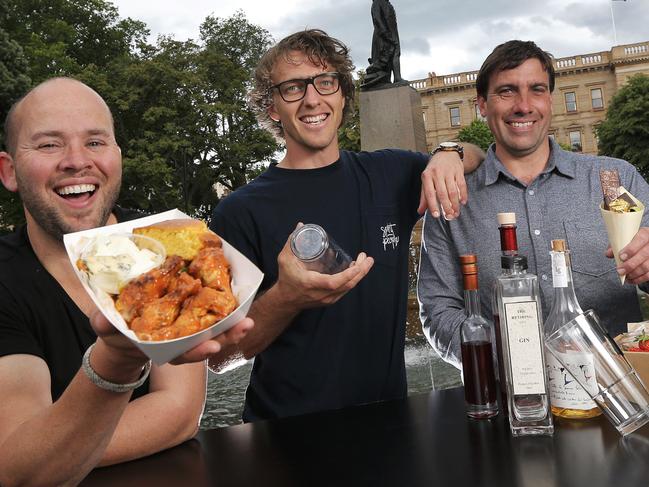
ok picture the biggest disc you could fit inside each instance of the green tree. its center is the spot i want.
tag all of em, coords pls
(565, 146)
(63, 37)
(180, 109)
(153, 103)
(13, 68)
(349, 134)
(58, 38)
(13, 83)
(234, 143)
(182, 117)
(624, 133)
(477, 133)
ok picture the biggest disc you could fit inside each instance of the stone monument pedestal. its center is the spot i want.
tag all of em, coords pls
(391, 118)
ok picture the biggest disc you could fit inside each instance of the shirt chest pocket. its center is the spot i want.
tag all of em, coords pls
(588, 243)
(383, 237)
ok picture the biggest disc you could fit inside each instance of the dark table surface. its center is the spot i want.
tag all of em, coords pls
(424, 440)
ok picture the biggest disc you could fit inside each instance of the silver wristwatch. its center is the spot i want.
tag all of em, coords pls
(450, 146)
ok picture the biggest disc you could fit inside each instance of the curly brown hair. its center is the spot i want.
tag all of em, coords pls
(321, 50)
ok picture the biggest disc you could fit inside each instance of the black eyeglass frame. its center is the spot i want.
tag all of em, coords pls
(307, 82)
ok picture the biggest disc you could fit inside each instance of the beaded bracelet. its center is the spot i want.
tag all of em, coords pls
(102, 383)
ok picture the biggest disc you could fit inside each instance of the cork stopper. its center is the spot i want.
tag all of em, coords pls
(559, 245)
(506, 218)
(468, 259)
(469, 264)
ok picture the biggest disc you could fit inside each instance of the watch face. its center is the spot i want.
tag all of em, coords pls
(448, 145)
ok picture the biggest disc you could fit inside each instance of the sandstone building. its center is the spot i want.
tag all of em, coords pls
(585, 84)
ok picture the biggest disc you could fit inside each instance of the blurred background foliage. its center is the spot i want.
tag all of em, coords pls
(181, 115)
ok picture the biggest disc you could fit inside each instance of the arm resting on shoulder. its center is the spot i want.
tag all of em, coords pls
(443, 184)
(473, 157)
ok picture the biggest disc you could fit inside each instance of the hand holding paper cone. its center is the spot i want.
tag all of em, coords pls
(622, 227)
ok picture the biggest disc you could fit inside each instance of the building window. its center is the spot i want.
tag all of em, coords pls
(575, 140)
(478, 115)
(596, 98)
(571, 101)
(454, 112)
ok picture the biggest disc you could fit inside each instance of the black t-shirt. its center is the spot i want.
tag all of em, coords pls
(37, 317)
(352, 351)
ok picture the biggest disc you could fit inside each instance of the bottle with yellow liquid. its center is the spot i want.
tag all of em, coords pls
(567, 397)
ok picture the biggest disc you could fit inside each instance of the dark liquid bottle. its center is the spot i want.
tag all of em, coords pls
(477, 352)
(479, 379)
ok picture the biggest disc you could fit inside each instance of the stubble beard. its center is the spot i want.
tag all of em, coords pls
(52, 221)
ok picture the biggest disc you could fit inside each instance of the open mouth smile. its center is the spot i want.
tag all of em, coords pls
(76, 191)
(521, 125)
(314, 120)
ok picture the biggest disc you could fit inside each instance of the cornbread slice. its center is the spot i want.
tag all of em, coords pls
(182, 237)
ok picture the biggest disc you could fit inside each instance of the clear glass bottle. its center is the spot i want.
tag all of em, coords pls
(568, 398)
(508, 246)
(480, 389)
(318, 251)
(521, 328)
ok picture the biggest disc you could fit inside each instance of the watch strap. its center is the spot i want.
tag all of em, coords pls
(450, 148)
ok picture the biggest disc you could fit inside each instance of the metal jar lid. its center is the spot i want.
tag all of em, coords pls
(309, 242)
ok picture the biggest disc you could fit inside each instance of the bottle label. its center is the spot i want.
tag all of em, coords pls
(525, 345)
(565, 391)
(559, 269)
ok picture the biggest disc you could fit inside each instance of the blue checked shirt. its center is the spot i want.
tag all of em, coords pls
(562, 202)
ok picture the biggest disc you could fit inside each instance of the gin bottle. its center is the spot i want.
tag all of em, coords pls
(477, 351)
(508, 246)
(568, 398)
(521, 329)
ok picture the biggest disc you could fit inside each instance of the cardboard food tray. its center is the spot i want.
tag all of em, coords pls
(638, 360)
(246, 279)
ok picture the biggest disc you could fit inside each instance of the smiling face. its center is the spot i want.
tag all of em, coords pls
(518, 109)
(310, 124)
(67, 166)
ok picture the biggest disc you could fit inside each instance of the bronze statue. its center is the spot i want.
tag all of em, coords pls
(385, 48)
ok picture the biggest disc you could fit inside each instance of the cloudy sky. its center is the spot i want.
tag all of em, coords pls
(442, 36)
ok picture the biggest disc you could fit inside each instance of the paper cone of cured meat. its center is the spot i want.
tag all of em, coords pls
(622, 227)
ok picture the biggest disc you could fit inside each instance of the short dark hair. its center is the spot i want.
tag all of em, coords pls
(510, 55)
(321, 50)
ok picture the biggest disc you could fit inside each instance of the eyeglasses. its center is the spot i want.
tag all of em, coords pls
(295, 89)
